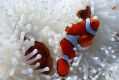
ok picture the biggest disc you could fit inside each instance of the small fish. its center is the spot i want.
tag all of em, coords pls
(81, 33)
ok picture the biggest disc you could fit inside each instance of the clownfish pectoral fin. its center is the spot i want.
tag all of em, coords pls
(86, 40)
(62, 67)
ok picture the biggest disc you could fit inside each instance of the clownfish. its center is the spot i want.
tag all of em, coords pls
(81, 33)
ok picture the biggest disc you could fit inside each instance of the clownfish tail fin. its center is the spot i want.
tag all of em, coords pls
(63, 66)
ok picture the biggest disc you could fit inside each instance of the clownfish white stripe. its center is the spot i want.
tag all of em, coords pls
(36, 65)
(72, 39)
(31, 54)
(65, 57)
(42, 70)
(34, 59)
(88, 27)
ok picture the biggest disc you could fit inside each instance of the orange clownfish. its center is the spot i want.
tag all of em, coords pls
(81, 33)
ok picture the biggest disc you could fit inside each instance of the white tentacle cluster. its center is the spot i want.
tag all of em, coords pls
(19, 18)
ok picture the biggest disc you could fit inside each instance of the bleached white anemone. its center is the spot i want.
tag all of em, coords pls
(45, 21)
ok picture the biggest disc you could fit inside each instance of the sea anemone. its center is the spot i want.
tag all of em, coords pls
(45, 21)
